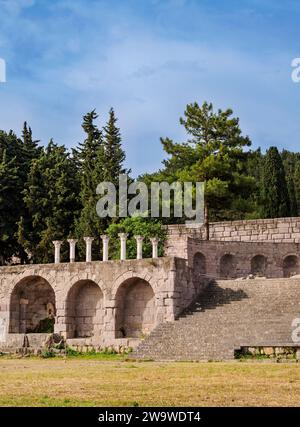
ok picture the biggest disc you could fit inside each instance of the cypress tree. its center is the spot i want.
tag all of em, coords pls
(275, 196)
(99, 158)
(86, 155)
(30, 147)
(113, 155)
(12, 185)
(90, 168)
(297, 186)
(8, 182)
(51, 198)
(29, 152)
(289, 162)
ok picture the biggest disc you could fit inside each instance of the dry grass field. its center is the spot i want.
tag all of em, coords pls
(96, 381)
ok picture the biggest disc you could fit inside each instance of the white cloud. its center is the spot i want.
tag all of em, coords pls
(98, 57)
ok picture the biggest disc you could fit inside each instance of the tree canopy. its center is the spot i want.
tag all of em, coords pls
(49, 192)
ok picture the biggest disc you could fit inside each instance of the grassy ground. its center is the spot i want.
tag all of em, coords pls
(110, 381)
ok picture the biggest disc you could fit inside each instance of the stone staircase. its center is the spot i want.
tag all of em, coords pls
(230, 314)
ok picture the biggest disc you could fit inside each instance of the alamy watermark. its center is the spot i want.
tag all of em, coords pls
(296, 70)
(160, 200)
(2, 71)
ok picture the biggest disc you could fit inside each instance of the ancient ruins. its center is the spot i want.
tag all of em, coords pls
(205, 299)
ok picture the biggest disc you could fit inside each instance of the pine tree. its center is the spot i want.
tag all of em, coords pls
(275, 196)
(214, 154)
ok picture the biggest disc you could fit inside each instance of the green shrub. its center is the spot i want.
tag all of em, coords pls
(134, 226)
(47, 353)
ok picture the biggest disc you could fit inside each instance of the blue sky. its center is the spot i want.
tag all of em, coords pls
(148, 59)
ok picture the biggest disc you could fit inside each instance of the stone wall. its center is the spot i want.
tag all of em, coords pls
(96, 301)
(217, 259)
(112, 303)
(278, 230)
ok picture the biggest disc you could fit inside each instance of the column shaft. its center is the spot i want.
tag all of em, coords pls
(72, 243)
(105, 240)
(123, 237)
(154, 242)
(139, 247)
(57, 244)
(88, 253)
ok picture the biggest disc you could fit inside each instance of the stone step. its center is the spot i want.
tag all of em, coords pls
(228, 315)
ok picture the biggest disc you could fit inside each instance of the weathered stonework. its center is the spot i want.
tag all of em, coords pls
(180, 306)
(98, 301)
(229, 260)
(278, 230)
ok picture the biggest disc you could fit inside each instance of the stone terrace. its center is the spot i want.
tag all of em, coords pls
(227, 316)
(278, 230)
(106, 301)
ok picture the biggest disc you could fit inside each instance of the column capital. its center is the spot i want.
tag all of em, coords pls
(72, 241)
(105, 237)
(154, 240)
(88, 239)
(123, 236)
(139, 238)
(57, 243)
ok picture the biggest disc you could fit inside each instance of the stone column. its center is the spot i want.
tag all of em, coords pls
(88, 248)
(154, 241)
(139, 246)
(105, 240)
(123, 237)
(57, 244)
(72, 243)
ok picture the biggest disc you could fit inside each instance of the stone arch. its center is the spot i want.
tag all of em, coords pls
(259, 265)
(84, 310)
(129, 275)
(135, 308)
(32, 306)
(199, 264)
(228, 266)
(290, 265)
